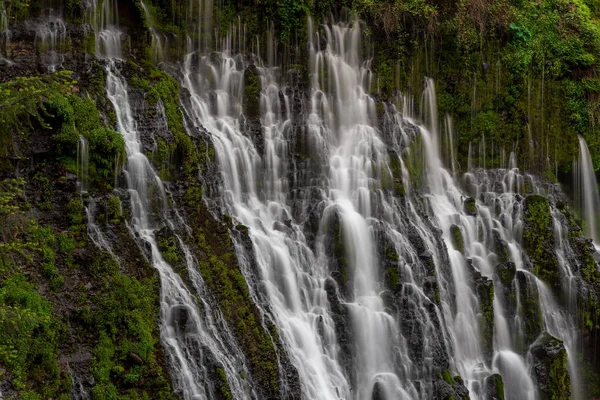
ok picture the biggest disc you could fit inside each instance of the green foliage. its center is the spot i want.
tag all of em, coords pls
(29, 339)
(23, 105)
(77, 116)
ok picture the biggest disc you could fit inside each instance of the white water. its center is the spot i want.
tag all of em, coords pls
(196, 341)
(83, 165)
(261, 189)
(587, 198)
(183, 332)
(5, 34)
(383, 347)
(50, 39)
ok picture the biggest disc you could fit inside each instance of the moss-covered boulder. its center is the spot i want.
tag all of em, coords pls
(538, 239)
(550, 368)
(456, 238)
(506, 272)
(494, 387)
(470, 206)
(484, 288)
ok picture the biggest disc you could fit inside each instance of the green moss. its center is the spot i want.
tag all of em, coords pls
(224, 386)
(252, 94)
(169, 250)
(531, 313)
(113, 209)
(551, 368)
(495, 385)
(76, 116)
(447, 377)
(507, 273)
(456, 238)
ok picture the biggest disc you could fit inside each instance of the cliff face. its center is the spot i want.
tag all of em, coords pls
(221, 201)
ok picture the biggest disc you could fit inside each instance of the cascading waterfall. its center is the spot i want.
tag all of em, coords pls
(196, 341)
(83, 165)
(50, 38)
(183, 332)
(5, 34)
(587, 198)
(373, 354)
(105, 19)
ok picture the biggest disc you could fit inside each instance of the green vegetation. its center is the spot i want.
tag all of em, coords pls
(75, 116)
(117, 319)
(23, 106)
(179, 152)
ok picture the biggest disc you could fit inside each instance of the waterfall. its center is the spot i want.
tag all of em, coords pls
(366, 297)
(4, 34)
(195, 339)
(82, 165)
(158, 40)
(587, 198)
(50, 39)
(106, 28)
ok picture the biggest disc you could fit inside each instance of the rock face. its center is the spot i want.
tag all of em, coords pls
(550, 366)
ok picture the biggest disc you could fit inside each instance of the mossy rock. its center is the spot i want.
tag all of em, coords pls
(506, 272)
(550, 368)
(456, 238)
(494, 387)
(470, 206)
